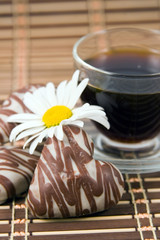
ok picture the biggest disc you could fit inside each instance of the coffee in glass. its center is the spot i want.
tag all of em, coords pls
(123, 67)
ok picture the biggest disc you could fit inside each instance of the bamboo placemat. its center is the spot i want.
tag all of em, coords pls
(36, 41)
(137, 216)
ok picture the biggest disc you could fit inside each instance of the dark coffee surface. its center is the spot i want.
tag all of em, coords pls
(127, 61)
(132, 117)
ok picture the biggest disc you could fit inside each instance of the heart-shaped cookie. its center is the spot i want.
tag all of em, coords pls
(16, 171)
(69, 182)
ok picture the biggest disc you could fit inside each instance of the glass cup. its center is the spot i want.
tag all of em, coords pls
(123, 67)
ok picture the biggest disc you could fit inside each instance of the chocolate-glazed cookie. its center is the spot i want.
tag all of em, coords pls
(14, 104)
(16, 171)
(68, 182)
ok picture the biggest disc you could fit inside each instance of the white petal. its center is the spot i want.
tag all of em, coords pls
(59, 132)
(87, 107)
(81, 108)
(33, 104)
(71, 88)
(24, 126)
(72, 85)
(78, 123)
(51, 132)
(72, 122)
(101, 120)
(61, 92)
(22, 117)
(98, 116)
(41, 96)
(88, 110)
(30, 139)
(36, 141)
(75, 78)
(77, 93)
(87, 114)
(92, 112)
(29, 132)
(51, 96)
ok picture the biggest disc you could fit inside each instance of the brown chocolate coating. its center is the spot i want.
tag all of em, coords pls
(69, 182)
(14, 104)
(16, 171)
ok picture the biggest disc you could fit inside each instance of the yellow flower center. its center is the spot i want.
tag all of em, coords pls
(54, 115)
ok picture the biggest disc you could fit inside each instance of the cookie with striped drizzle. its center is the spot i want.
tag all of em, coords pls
(14, 104)
(68, 182)
(16, 171)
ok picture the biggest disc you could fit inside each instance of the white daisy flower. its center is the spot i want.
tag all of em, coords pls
(52, 108)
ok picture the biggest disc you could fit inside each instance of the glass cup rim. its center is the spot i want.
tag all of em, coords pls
(90, 67)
